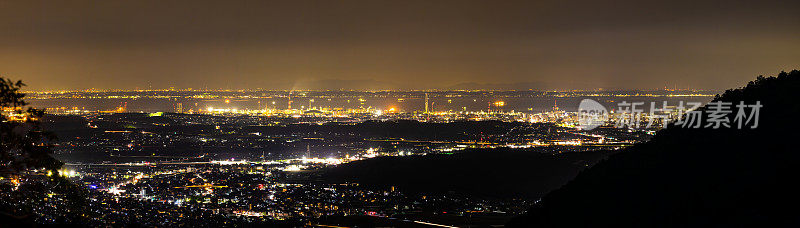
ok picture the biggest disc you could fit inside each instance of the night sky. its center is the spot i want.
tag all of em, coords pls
(396, 44)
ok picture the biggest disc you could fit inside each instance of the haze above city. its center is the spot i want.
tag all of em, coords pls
(396, 45)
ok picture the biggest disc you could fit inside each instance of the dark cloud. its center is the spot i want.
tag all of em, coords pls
(417, 44)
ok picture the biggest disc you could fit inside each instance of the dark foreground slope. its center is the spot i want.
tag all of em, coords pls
(493, 173)
(694, 177)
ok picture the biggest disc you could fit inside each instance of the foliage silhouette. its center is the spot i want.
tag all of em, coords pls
(25, 155)
(23, 143)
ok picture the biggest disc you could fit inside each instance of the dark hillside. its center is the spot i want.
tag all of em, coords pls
(694, 177)
(495, 173)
